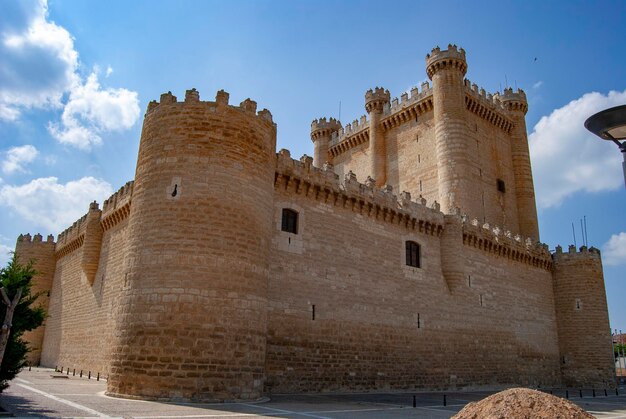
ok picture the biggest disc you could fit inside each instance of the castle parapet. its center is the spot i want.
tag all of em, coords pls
(514, 101)
(117, 207)
(453, 57)
(501, 242)
(366, 198)
(192, 98)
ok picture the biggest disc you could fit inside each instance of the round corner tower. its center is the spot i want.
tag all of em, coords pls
(582, 318)
(193, 317)
(42, 254)
(375, 101)
(447, 69)
(516, 105)
(321, 132)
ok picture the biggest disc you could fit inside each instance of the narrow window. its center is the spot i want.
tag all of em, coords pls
(290, 221)
(412, 254)
(419, 158)
(420, 186)
(313, 312)
(501, 186)
(418, 321)
(469, 281)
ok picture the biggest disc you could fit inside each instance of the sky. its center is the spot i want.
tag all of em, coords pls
(76, 77)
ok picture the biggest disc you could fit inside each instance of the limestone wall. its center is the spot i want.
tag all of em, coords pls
(81, 322)
(346, 313)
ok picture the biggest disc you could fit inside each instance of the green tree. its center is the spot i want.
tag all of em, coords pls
(25, 317)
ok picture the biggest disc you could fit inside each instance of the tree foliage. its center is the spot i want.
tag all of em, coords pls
(27, 316)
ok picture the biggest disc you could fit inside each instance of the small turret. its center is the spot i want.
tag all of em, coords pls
(42, 254)
(516, 105)
(375, 101)
(321, 132)
(447, 70)
(514, 101)
(453, 57)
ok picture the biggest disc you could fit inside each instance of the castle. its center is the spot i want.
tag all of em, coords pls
(405, 254)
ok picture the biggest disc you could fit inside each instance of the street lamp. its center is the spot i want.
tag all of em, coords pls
(610, 124)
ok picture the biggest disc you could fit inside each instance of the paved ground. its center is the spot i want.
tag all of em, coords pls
(37, 393)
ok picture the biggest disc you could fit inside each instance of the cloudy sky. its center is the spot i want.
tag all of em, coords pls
(76, 76)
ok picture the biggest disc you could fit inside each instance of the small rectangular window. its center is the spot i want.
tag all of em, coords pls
(501, 186)
(290, 221)
(412, 254)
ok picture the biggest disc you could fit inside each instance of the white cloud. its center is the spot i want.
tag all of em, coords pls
(49, 204)
(38, 59)
(17, 157)
(39, 69)
(538, 85)
(109, 71)
(566, 158)
(91, 110)
(614, 251)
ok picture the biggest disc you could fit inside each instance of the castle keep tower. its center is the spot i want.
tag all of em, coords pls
(193, 316)
(517, 106)
(446, 69)
(375, 100)
(321, 131)
(42, 253)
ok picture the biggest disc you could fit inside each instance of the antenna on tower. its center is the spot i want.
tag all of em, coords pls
(339, 119)
(574, 234)
(506, 82)
(586, 236)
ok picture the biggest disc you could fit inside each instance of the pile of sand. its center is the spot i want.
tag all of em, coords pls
(520, 403)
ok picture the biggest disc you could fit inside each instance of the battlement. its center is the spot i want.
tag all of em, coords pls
(514, 101)
(453, 57)
(192, 98)
(324, 185)
(37, 238)
(494, 239)
(376, 99)
(487, 106)
(582, 253)
(322, 127)
(407, 100)
(119, 198)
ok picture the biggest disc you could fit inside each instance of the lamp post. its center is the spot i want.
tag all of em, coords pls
(610, 124)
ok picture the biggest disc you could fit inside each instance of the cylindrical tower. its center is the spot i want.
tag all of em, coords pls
(42, 253)
(582, 319)
(375, 101)
(193, 314)
(321, 131)
(446, 69)
(517, 106)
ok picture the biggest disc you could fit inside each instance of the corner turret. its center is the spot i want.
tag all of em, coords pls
(375, 101)
(321, 132)
(42, 254)
(447, 70)
(452, 58)
(582, 318)
(516, 105)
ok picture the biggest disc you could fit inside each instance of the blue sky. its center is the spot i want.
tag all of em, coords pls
(76, 76)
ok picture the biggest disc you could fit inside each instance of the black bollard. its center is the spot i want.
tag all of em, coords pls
(28, 367)
(581, 393)
(61, 369)
(593, 392)
(89, 375)
(98, 378)
(56, 368)
(567, 394)
(414, 402)
(68, 370)
(445, 402)
(81, 373)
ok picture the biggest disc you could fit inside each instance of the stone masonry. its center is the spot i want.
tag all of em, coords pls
(404, 255)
